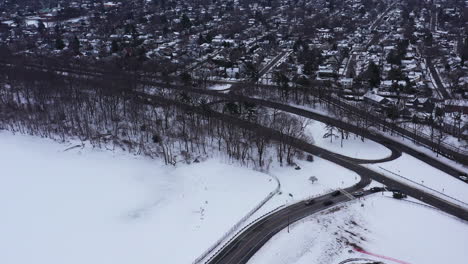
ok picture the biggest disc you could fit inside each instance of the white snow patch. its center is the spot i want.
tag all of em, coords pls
(352, 147)
(220, 87)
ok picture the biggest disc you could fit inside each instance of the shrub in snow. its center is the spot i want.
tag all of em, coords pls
(313, 179)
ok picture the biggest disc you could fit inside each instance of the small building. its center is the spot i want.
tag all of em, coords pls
(456, 106)
(346, 82)
(374, 99)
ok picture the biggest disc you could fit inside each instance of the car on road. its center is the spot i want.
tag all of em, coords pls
(336, 193)
(463, 177)
(399, 195)
(327, 203)
(358, 194)
(376, 189)
(309, 202)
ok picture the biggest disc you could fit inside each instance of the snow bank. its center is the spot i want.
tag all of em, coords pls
(220, 87)
(92, 206)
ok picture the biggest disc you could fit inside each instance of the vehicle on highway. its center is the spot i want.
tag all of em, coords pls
(358, 194)
(327, 203)
(399, 195)
(377, 189)
(309, 202)
(463, 177)
(336, 193)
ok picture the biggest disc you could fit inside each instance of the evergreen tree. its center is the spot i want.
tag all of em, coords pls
(41, 27)
(75, 45)
(373, 73)
(185, 22)
(114, 46)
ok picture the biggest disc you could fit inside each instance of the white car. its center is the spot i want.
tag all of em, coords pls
(463, 178)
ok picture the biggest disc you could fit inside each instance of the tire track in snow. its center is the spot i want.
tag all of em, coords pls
(380, 256)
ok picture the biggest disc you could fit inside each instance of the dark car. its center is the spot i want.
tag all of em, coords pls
(463, 176)
(358, 194)
(336, 193)
(327, 203)
(376, 189)
(399, 195)
(309, 202)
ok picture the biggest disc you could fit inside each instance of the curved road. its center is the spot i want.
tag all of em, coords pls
(243, 247)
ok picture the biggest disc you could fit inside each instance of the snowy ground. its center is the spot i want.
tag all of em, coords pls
(401, 230)
(425, 175)
(352, 147)
(91, 206)
(220, 87)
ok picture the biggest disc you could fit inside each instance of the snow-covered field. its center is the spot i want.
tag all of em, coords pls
(66, 204)
(400, 230)
(92, 206)
(425, 175)
(352, 147)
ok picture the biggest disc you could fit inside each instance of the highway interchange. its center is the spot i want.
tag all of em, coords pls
(240, 249)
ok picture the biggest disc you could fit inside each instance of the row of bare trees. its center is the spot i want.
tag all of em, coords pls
(112, 112)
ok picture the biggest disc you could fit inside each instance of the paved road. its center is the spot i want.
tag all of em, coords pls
(439, 85)
(244, 246)
(271, 64)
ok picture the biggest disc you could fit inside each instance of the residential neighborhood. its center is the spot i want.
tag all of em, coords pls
(233, 131)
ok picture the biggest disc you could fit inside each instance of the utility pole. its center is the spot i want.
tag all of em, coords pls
(288, 222)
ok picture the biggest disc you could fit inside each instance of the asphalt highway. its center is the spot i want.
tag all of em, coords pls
(241, 249)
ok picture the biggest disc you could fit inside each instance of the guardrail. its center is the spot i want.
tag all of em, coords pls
(426, 187)
(238, 224)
